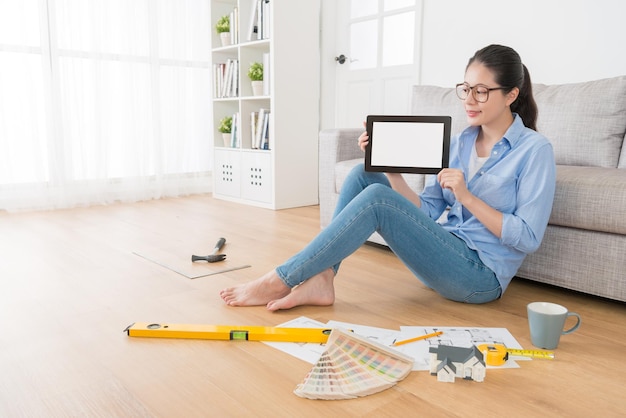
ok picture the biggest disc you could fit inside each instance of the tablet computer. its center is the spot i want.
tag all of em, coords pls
(408, 144)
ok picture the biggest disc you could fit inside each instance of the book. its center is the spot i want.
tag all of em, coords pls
(265, 19)
(253, 123)
(259, 20)
(227, 73)
(258, 138)
(265, 134)
(235, 139)
(233, 131)
(234, 26)
(234, 80)
(217, 80)
(226, 79)
(253, 23)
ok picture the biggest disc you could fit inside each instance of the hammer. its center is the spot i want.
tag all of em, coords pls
(214, 256)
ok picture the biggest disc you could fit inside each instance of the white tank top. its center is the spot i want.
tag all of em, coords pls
(476, 163)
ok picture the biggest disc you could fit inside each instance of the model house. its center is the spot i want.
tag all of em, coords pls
(448, 363)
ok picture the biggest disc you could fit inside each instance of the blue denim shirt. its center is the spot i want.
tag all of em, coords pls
(518, 179)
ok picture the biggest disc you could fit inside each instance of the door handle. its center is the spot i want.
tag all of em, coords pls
(341, 59)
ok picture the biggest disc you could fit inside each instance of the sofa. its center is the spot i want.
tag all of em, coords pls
(584, 247)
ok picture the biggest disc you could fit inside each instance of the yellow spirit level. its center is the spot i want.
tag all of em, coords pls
(228, 332)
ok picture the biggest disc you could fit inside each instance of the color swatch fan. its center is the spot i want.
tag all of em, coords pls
(353, 366)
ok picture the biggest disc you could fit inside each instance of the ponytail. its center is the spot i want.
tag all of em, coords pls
(525, 104)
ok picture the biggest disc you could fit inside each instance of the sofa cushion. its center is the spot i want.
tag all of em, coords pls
(584, 121)
(590, 198)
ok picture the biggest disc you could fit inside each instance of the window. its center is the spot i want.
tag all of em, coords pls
(382, 34)
(103, 100)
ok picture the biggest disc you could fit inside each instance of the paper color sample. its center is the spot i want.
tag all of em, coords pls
(353, 366)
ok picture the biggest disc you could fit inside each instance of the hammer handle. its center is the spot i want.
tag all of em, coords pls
(219, 245)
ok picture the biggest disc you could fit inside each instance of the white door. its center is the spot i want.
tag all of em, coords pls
(376, 62)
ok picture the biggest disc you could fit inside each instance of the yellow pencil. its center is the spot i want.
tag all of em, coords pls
(421, 337)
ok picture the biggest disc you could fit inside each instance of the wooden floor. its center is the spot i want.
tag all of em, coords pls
(71, 283)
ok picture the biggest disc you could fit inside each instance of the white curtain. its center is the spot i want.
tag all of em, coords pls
(103, 101)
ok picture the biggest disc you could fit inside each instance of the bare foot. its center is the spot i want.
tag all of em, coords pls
(318, 290)
(257, 292)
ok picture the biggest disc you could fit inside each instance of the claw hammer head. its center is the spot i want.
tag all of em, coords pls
(214, 256)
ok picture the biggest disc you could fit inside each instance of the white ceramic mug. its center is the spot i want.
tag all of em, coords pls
(546, 321)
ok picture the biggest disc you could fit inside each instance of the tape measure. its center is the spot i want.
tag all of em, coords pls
(494, 354)
(531, 353)
(498, 354)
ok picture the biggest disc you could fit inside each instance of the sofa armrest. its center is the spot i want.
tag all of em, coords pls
(336, 145)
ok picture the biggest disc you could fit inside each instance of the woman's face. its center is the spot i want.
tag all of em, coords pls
(496, 108)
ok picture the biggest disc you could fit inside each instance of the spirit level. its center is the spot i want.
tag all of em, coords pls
(228, 332)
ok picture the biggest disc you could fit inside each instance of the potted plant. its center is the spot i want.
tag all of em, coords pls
(226, 127)
(223, 29)
(255, 73)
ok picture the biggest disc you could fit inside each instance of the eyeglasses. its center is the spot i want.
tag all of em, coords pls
(479, 92)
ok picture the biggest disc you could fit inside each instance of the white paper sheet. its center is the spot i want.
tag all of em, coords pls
(455, 336)
(309, 352)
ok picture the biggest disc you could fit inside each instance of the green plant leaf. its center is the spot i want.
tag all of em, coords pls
(255, 72)
(223, 24)
(226, 125)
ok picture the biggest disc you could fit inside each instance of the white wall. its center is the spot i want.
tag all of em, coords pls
(559, 41)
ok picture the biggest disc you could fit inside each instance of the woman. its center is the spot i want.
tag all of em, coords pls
(499, 190)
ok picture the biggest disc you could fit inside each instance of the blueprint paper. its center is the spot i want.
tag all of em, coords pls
(418, 350)
(454, 336)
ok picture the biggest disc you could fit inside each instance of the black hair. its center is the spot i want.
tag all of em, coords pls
(509, 72)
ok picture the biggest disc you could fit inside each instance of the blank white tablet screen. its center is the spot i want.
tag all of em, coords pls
(407, 144)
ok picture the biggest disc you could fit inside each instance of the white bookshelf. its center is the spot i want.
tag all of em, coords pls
(286, 174)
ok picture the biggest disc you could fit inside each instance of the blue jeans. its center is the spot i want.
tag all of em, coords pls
(367, 203)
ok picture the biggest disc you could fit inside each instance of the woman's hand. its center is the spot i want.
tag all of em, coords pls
(454, 180)
(364, 139)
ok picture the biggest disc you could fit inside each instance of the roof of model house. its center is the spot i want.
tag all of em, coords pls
(449, 359)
